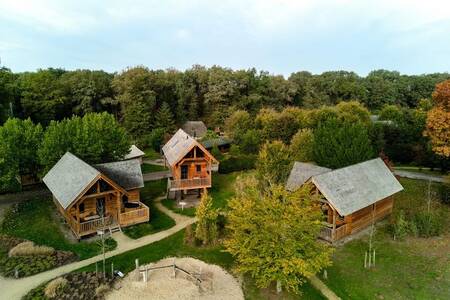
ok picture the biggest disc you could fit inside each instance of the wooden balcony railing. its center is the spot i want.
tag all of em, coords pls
(138, 215)
(327, 232)
(91, 226)
(181, 184)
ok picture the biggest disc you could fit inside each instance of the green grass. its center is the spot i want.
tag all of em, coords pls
(415, 268)
(170, 204)
(221, 191)
(148, 168)
(158, 220)
(174, 246)
(423, 170)
(151, 154)
(35, 220)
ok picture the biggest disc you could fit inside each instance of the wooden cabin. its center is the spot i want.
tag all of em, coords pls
(135, 153)
(353, 197)
(190, 163)
(99, 197)
(196, 129)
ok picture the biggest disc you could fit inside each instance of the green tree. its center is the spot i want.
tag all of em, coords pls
(164, 118)
(238, 124)
(206, 229)
(338, 144)
(274, 163)
(302, 146)
(95, 138)
(273, 235)
(353, 111)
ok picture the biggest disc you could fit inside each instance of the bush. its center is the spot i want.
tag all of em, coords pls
(55, 287)
(237, 163)
(444, 193)
(429, 223)
(400, 227)
(29, 248)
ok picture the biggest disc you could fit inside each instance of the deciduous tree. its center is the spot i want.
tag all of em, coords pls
(438, 120)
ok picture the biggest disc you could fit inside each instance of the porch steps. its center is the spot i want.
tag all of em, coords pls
(115, 228)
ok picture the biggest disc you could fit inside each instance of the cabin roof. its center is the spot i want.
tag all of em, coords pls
(196, 129)
(68, 178)
(135, 152)
(220, 141)
(126, 173)
(301, 173)
(357, 186)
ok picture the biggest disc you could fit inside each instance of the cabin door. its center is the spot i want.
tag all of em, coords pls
(184, 172)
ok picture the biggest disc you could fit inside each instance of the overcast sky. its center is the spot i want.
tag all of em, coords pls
(280, 36)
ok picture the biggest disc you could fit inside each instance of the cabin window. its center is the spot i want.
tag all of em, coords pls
(184, 172)
(199, 168)
(81, 207)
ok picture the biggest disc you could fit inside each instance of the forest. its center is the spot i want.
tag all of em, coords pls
(316, 116)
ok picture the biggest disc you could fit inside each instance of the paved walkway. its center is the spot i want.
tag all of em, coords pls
(320, 286)
(16, 288)
(158, 162)
(421, 176)
(156, 175)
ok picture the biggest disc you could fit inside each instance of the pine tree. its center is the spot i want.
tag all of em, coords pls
(164, 118)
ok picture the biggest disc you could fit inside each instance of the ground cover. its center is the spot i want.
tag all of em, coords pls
(149, 168)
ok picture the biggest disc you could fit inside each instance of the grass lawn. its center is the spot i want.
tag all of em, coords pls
(221, 191)
(415, 268)
(148, 168)
(174, 246)
(151, 154)
(158, 220)
(423, 170)
(35, 220)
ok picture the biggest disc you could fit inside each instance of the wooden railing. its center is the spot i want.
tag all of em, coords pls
(180, 184)
(326, 233)
(138, 215)
(88, 227)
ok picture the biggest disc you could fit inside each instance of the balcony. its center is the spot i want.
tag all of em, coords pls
(329, 235)
(186, 184)
(135, 216)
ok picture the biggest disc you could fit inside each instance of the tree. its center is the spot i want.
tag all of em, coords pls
(302, 145)
(164, 118)
(206, 229)
(274, 163)
(137, 119)
(438, 120)
(353, 111)
(273, 235)
(238, 124)
(339, 143)
(22, 138)
(9, 168)
(95, 138)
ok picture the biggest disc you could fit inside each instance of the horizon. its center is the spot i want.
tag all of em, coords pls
(280, 36)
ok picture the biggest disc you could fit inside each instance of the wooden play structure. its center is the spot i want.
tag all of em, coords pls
(190, 163)
(354, 197)
(99, 197)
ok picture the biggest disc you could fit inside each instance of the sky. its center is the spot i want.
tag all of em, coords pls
(279, 36)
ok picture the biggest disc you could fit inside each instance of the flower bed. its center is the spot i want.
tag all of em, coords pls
(85, 285)
(26, 265)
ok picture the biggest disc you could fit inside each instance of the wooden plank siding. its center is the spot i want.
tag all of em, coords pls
(337, 227)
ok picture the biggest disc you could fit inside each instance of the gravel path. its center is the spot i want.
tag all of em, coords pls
(16, 288)
(421, 176)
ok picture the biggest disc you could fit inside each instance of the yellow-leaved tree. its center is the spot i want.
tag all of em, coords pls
(273, 234)
(206, 230)
(438, 120)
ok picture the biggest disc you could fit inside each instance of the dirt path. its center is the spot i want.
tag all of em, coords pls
(16, 288)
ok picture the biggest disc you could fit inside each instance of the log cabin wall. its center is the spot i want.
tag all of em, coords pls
(134, 195)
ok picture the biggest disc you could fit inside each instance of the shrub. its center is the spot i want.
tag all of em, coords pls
(102, 290)
(444, 193)
(29, 248)
(55, 287)
(401, 226)
(429, 223)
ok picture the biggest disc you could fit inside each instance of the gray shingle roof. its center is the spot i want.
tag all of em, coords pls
(195, 129)
(178, 146)
(357, 186)
(68, 178)
(126, 173)
(134, 152)
(220, 141)
(301, 172)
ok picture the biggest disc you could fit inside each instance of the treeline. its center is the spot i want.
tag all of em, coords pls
(211, 94)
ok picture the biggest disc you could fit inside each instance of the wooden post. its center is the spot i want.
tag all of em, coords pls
(112, 270)
(279, 289)
(174, 269)
(333, 233)
(365, 259)
(136, 261)
(374, 257)
(119, 207)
